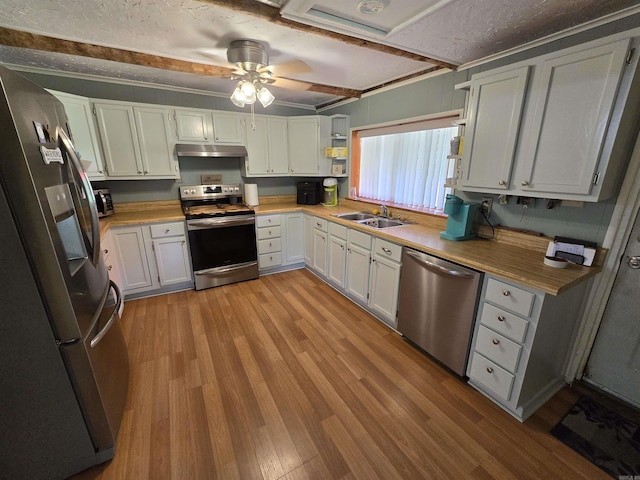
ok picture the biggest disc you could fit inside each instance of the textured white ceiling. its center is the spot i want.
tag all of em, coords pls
(459, 31)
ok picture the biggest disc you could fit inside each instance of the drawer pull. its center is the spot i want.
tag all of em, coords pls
(319, 225)
(506, 293)
(167, 230)
(495, 341)
(105, 251)
(501, 318)
(270, 244)
(386, 250)
(269, 232)
(489, 370)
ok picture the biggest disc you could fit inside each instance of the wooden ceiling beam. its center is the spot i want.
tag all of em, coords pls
(20, 39)
(267, 12)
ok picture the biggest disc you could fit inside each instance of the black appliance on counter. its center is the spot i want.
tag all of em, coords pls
(310, 193)
(222, 234)
(64, 368)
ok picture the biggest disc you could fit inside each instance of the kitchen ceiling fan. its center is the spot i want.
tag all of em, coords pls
(251, 67)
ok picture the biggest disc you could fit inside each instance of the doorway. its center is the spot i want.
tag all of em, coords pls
(614, 362)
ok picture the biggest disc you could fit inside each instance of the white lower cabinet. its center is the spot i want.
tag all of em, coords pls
(110, 259)
(151, 258)
(336, 270)
(171, 253)
(320, 245)
(385, 279)
(364, 267)
(520, 345)
(280, 241)
(358, 265)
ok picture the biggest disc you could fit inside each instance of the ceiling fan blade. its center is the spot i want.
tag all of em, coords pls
(290, 84)
(287, 69)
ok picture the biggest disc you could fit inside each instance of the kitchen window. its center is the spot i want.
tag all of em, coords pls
(404, 164)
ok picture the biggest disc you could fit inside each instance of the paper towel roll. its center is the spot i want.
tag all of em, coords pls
(251, 194)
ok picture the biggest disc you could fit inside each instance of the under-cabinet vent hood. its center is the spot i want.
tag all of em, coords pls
(217, 151)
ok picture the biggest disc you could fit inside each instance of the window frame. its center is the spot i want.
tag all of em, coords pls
(435, 120)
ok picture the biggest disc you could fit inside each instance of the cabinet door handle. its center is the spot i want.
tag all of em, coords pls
(319, 225)
(342, 247)
(105, 251)
(386, 250)
(501, 318)
(495, 341)
(109, 267)
(489, 370)
(524, 183)
(506, 293)
(502, 182)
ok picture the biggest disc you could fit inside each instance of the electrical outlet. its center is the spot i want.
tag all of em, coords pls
(487, 204)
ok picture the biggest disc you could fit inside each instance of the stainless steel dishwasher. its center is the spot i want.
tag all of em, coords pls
(436, 306)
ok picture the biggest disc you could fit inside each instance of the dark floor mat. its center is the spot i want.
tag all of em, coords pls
(604, 437)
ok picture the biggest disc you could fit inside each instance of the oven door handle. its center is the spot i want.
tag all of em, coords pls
(220, 222)
(222, 270)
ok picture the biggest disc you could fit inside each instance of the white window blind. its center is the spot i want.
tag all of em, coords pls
(406, 164)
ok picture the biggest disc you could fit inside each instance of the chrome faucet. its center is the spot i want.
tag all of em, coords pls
(384, 210)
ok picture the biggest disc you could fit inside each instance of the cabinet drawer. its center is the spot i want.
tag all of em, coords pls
(269, 245)
(266, 260)
(512, 298)
(167, 229)
(338, 230)
(320, 224)
(387, 249)
(498, 348)
(358, 238)
(503, 322)
(268, 232)
(267, 220)
(491, 376)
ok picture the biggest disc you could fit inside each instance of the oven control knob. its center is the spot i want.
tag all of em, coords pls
(237, 189)
(193, 191)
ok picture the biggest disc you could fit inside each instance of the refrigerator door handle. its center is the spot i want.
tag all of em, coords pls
(95, 340)
(88, 190)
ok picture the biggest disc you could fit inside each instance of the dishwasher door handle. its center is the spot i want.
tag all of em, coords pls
(437, 268)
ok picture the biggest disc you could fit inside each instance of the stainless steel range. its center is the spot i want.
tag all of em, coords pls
(222, 236)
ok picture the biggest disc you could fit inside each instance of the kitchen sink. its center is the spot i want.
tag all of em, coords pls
(354, 216)
(379, 222)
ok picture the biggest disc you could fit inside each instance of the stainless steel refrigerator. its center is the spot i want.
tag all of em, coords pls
(64, 368)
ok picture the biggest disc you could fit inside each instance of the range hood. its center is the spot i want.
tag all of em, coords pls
(217, 151)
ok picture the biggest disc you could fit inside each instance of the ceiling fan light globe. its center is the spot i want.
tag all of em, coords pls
(237, 98)
(265, 96)
(247, 92)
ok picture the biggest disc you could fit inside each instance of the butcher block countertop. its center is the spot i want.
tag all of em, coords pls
(511, 255)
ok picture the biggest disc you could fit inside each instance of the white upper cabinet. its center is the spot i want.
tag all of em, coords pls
(266, 141)
(136, 141)
(228, 128)
(575, 99)
(495, 108)
(116, 124)
(154, 133)
(571, 139)
(194, 126)
(83, 132)
(308, 136)
(209, 126)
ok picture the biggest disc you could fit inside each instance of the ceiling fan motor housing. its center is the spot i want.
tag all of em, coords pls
(249, 54)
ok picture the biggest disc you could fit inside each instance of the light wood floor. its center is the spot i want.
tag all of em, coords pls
(284, 378)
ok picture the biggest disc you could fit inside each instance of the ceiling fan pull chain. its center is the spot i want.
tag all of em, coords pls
(253, 119)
